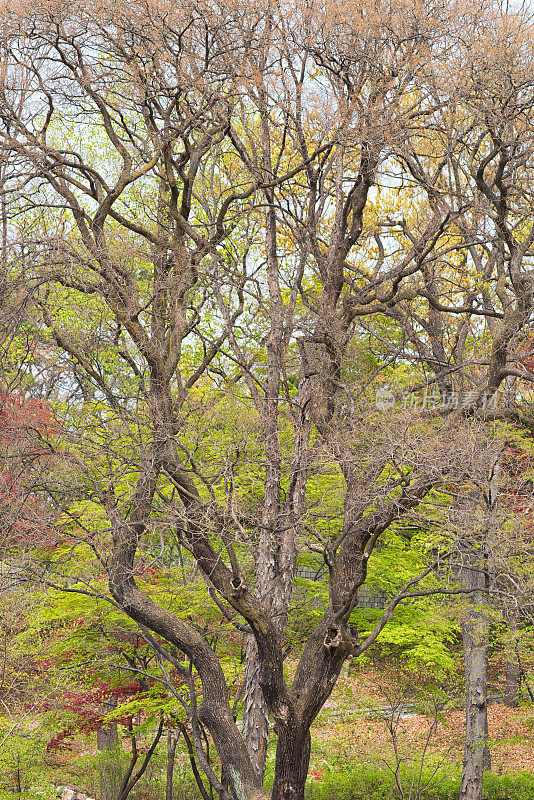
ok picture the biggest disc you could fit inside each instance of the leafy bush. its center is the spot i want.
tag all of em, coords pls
(21, 758)
(511, 786)
(368, 783)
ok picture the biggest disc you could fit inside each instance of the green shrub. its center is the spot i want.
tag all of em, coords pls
(359, 783)
(511, 786)
(21, 760)
(368, 783)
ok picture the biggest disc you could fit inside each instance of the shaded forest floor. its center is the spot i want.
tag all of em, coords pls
(355, 726)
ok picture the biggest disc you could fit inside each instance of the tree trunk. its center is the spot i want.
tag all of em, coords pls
(255, 713)
(107, 742)
(292, 762)
(475, 631)
(172, 741)
(512, 667)
(475, 575)
(513, 683)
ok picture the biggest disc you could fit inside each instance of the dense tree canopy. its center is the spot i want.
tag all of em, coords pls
(272, 267)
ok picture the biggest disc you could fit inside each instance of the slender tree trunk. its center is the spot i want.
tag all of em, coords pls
(512, 668)
(475, 631)
(107, 742)
(475, 575)
(513, 683)
(172, 741)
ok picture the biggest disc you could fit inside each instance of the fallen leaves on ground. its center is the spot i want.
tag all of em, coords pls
(348, 730)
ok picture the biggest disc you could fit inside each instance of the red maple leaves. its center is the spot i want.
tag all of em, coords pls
(87, 710)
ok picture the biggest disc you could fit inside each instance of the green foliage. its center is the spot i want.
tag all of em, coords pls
(21, 760)
(511, 786)
(367, 783)
(26, 758)
(364, 782)
(418, 636)
(84, 771)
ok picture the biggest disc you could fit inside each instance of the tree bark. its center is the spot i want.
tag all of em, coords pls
(475, 630)
(172, 741)
(107, 742)
(255, 713)
(292, 761)
(513, 682)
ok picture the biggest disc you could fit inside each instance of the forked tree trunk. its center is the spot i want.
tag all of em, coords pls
(255, 711)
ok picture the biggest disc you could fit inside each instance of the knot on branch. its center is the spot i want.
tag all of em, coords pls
(281, 713)
(333, 639)
(238, 587)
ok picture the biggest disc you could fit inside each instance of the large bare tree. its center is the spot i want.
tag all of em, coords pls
(198, 214)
